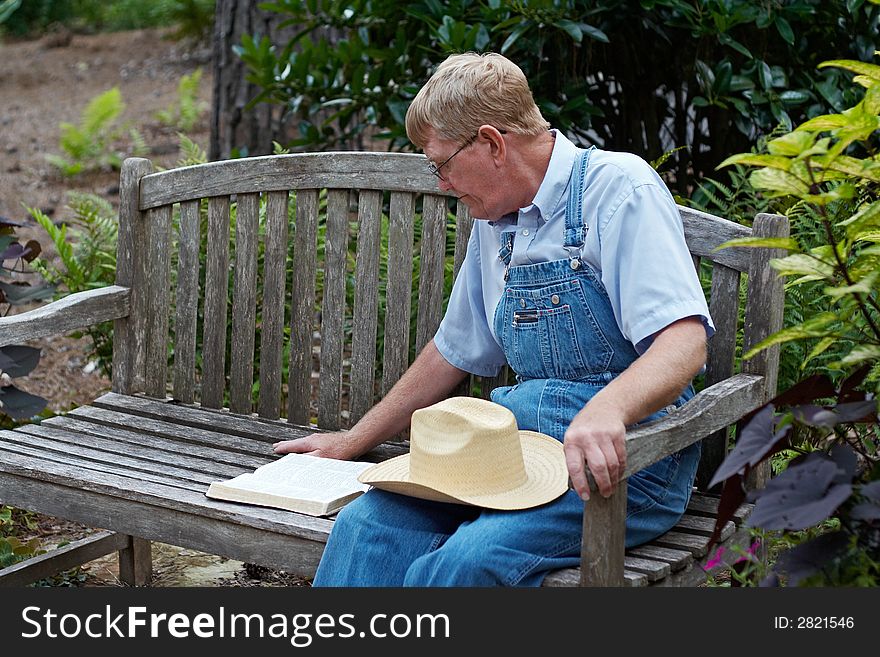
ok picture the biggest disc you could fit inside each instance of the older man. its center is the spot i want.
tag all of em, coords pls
(578, 276)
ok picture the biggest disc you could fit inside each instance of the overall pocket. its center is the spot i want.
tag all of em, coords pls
(550, 332)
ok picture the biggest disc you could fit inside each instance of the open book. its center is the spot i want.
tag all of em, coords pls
(296, 482)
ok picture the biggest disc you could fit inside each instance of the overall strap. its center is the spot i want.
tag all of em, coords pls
(575, 228)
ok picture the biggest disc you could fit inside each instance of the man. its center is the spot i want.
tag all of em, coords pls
(577, 274)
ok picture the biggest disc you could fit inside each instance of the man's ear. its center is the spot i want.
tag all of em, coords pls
(497, 145)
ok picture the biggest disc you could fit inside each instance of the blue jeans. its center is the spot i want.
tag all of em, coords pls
(386, 539)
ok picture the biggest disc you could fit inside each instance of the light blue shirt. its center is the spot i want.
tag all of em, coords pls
(635, 240)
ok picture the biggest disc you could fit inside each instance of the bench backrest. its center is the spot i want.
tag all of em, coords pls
(230, 215)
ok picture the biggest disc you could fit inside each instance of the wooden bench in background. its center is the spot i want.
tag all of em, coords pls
(137, 461)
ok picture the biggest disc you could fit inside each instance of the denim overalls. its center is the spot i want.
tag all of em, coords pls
(560, 337)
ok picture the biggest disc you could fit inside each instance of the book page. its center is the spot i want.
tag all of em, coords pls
(304, 477)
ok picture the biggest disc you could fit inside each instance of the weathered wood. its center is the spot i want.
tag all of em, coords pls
(129, 331)
(216, 299)
(136, 563)
(463, 225)
(73, 312)
(64, 483)
(710, 409)
(654, 570)
(568, 577)
(187, 302)
(158, 450)
(404, 172)
(763, 316)
(290, 541)
(63, 558)
(240, 447)
(705, 232)
(158, 249)
(765, 302)
(60, 446)
(333, 310)
(220, 421)
(366, 304)
(724, 309)
(433, 250)
(244, 303)
(302, 303)
(274, 281)
(602, 546)
(676, 559)
(707, 505)
(395, 358)
(139, 465)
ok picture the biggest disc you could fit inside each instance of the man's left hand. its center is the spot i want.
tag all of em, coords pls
(596, 437)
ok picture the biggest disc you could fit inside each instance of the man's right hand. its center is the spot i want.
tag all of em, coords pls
(336, 445)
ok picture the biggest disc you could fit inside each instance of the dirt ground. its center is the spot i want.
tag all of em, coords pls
(49, 81)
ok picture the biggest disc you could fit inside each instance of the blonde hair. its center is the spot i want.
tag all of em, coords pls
(470, 90)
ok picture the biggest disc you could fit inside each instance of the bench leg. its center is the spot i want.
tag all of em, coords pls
(136, 562)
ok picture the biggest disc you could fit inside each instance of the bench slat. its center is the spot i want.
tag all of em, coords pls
(158, 250)
(163, 449)
(187, 302)
(214, 420)
(96, 463)
(724, 308)
(272, 328)
(244, 303)
(464, 222)
(118, 487)
(677, 559)
(130, 442)
(333, 310)
(366, 304)
(216, 290)
(233, 443)
(433, 251)
(302, 307)
(399, 289)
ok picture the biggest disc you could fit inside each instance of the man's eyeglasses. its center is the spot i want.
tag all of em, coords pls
(435, 168)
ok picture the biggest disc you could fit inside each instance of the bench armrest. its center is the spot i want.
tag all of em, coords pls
(71, 313)
(604, 528)
(711, 409)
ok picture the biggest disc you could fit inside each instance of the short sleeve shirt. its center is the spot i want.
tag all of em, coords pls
(635, 241)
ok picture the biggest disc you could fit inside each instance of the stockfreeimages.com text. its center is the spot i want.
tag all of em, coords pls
(299, 629)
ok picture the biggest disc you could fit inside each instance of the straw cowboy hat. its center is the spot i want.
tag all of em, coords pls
(469, 451)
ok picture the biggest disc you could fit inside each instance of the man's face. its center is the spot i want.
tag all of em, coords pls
(470, 172)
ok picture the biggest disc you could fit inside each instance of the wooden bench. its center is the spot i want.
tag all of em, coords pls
(137, 461)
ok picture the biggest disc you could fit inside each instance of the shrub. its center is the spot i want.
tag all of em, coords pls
(828, 170)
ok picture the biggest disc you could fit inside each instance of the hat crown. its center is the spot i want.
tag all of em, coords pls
(462, 441)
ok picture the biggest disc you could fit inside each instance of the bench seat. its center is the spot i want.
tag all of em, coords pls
(140, 466)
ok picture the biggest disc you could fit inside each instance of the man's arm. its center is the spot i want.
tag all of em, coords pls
(427, 381)
(596, 436)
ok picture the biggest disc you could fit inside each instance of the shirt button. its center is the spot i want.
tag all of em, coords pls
(522, 303)
(555, 299)
(525, 232)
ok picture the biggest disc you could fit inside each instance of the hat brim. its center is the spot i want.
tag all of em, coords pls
(546, 479)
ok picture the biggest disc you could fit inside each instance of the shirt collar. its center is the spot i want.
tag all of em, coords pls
(556, 179)
(553, 186)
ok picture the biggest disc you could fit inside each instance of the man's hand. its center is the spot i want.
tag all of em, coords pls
(596, 437)
(327, 445)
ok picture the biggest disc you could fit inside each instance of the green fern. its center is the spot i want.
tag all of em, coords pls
(190, 152)
(185, 114)
(89, 145)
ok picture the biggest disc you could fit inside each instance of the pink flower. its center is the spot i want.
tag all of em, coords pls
(716, 560)
(751, 553)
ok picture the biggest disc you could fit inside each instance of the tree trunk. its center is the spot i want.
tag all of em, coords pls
(234, 128)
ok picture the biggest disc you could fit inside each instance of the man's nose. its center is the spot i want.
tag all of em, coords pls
(444, 185)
